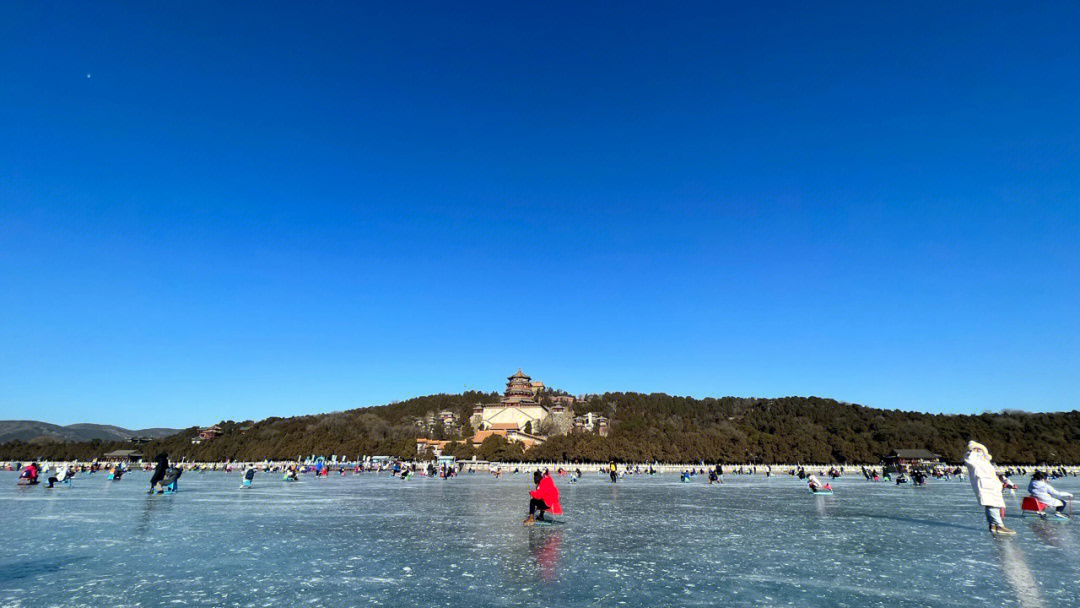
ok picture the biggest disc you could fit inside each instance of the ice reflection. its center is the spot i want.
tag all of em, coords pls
(1018, 574)
(544, 546)
(152, 511)
(1055, 534)
(1050, 533)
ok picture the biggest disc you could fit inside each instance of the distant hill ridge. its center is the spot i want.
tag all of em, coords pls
(36, 431)
(644, 428)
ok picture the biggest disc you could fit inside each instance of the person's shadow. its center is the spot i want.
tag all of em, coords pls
(912, 520)
(153, 508)
(24, 569)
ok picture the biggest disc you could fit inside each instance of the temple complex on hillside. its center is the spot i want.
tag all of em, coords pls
(522, 407)
(523, 414)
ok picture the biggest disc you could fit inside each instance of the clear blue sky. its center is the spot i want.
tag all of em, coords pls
(234, 210)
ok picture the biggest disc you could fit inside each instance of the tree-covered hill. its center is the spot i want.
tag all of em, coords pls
(644, 428)
(29, 430)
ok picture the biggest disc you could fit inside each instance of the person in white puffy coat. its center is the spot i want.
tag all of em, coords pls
(987, 486)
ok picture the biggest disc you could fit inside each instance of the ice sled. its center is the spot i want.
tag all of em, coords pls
(1033, 505)
(1030, 504)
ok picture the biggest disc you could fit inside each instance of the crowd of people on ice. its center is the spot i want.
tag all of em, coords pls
(988, 481)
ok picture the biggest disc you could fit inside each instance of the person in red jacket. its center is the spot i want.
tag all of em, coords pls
(29, 475)
(544, 498)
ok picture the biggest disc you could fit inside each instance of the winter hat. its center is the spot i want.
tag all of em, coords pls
(975, 445)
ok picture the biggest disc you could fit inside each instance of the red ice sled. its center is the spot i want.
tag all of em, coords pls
(1030, 504)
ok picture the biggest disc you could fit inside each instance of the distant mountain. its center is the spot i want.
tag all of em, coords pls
(32, 430)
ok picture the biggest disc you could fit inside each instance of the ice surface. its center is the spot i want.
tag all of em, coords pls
(374, 540)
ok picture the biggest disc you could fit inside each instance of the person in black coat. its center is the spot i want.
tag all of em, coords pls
(159, 471)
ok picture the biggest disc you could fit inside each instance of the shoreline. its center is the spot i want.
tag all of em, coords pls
(484, 466)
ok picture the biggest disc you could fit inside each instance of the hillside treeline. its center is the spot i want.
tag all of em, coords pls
(655, 427)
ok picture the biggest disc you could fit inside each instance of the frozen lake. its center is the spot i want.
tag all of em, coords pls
(375, 540)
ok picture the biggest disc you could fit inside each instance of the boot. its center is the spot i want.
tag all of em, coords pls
(530, 520)
(1002, 530)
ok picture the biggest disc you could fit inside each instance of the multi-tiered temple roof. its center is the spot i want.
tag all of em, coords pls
(519, 390)
(520, 412)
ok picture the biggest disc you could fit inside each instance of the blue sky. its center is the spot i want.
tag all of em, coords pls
(226, 212)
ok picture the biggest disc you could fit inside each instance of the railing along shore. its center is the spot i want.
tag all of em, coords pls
(480, 465)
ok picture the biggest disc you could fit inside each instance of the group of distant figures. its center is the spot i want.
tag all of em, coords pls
(988, 483)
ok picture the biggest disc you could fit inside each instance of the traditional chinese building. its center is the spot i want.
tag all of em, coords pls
(128, 455)
(907, 460)
(210, 432)
(591, 422)
(520, 407)
(509, 431)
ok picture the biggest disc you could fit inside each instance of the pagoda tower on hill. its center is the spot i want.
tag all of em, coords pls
(519, 390)
(520, 408)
